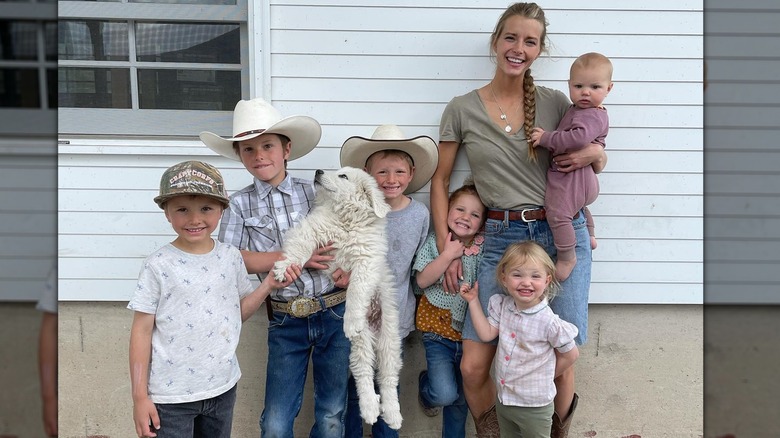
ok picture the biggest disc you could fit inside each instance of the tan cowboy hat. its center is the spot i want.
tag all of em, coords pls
(423, 150)
(255, 117)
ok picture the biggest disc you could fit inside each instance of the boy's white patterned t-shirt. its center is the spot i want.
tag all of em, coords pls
(196, 302)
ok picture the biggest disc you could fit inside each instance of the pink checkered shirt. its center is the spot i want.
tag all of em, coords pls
(525, 359)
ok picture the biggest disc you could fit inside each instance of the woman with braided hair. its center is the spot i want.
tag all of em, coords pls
(492, 124)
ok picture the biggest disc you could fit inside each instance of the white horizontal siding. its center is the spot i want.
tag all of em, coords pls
(28, 216)
(743, 160)
(353, 65)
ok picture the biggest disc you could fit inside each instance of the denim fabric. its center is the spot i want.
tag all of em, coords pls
(354, 422)
(210, 418)
(571, 304)
(291, 341)
(442, 384)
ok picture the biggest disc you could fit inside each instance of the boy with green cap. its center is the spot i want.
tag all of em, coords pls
(190, 301)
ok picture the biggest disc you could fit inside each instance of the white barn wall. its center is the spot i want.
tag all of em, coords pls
(354, 65)
(742, 161)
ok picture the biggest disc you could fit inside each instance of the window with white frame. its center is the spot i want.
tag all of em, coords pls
(28, 67)
(137, 67)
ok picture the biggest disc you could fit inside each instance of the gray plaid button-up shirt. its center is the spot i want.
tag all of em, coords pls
(257, 219)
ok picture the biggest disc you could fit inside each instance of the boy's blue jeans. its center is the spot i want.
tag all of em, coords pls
(291, 341)
(210, 418)
(442, 384)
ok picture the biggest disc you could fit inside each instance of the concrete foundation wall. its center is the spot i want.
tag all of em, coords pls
(641, 373)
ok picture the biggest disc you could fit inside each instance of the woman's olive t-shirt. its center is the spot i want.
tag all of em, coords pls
(504, 175)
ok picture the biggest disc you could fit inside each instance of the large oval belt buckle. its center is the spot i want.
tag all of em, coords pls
(302, 307)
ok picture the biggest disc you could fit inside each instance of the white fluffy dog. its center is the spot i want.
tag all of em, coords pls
(349, 210)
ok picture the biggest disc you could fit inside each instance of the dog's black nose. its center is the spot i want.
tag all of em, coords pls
(319, 172)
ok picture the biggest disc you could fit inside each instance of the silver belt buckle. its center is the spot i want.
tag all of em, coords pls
(302, 307)
(522, 216)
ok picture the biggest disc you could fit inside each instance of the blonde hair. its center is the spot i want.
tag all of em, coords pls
(534, 12)
(592, 60)
(385, 153)
(528, 251)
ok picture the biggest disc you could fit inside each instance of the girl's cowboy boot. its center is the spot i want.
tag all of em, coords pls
(560, 429)
(487, 424)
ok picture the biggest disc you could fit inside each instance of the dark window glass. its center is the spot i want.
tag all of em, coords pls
(51, 87)
(189, 89)
(188, 42)
(50, 38)
(93, 40)
(93, 87)
(18, 40)
(19, 88)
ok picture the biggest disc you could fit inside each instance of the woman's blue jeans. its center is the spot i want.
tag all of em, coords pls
(571, 303)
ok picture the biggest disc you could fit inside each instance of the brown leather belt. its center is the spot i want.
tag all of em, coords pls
(301, 307)
(527, 215)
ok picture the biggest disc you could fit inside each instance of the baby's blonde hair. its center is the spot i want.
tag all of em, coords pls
(520, 253)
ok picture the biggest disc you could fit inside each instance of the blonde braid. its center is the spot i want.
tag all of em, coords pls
(529, 107)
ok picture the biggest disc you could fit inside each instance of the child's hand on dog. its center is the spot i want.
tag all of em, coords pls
(291, 274)
(341, 278)
(321, 257)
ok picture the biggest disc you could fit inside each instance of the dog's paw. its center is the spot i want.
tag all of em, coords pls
(353, 327)
(280, 268)
(391, 413)
(369, 408)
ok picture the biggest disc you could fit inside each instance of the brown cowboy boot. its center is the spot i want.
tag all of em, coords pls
(560, 429)
(487, 424)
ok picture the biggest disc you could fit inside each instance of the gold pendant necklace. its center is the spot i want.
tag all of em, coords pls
(508, 127)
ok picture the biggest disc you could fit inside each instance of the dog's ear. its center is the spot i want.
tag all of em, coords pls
(375, 196)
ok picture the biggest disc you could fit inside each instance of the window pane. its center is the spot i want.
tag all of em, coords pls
(18, 40)
(93, 40)
(94, 87)
(189, 89)
(188, 42)
(50, 38)
(188, 2)
(51, 87)
(19, 88)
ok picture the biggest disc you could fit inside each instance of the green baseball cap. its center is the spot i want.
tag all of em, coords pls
(192, 178)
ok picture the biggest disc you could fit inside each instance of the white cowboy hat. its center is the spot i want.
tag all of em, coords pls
(423, 150)
(255, 117)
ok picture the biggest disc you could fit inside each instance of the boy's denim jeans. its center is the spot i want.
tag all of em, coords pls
(291, 341)
(210, 418)
(442, 384)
